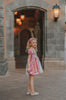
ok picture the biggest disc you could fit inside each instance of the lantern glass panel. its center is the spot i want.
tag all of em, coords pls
(56, 13)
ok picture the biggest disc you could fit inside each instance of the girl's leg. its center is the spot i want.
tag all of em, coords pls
(32, 86)
(32, 83)
(29, 85)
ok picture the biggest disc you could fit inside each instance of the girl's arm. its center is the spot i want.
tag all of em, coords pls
(28, 63)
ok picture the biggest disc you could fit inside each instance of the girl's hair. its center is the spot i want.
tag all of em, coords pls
(29, 42)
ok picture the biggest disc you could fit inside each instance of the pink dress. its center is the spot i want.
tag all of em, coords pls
(35, 65)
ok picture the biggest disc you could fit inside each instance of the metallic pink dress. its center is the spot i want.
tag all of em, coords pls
(35, 65)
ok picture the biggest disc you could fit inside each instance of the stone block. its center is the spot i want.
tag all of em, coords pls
(9, 19)
(45, 5)
(51, 53)
(1, 32)
(62, 1)
(1, 13)
(20, 4)
(1, 3)
(51, 41)
(1, 53)
(33, 3)
(59, 35)
(1, 22)
(60, 54)
(50, 35)
(59, 47)
(60, 41)
(16, 5)
(1, 42)
(3, 67)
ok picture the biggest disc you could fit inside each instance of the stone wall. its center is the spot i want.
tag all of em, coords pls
(55, 40)
(55, 36)
(3, 61)
(55, 30)
(8, 1)
(54, 53)
(49, 1)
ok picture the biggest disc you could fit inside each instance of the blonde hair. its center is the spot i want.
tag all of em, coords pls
(29, 44)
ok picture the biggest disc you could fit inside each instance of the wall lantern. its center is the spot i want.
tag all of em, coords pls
(22, 17)
(18, 20)
(15, 13)
(56, 12)
(20, 23)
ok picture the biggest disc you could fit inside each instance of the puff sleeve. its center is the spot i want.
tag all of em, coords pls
(30, 52)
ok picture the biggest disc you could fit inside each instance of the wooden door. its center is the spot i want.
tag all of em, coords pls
(24, 36)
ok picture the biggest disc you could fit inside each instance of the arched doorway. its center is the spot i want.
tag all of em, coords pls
(33, 19)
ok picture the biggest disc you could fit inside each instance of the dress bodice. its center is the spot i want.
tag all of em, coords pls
(31, 51)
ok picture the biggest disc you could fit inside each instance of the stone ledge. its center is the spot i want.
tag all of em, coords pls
(11, 64)
(54, 64)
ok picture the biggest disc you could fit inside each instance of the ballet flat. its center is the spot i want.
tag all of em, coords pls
(28, 93)
(35, 93)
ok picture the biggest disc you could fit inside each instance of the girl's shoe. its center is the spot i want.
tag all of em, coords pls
(35, 93)
(28, 93)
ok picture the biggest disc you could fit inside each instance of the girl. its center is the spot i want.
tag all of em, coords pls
(33, 65)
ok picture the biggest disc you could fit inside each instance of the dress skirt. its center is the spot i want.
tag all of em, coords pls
(35, 65)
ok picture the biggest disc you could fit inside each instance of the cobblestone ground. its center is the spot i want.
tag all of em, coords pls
(50, 84)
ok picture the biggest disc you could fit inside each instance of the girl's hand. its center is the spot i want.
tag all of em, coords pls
(28, 70)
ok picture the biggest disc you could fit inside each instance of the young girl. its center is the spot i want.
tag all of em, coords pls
(33, 64)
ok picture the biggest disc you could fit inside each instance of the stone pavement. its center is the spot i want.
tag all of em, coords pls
(50, 84)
